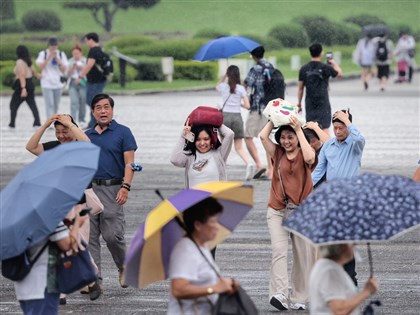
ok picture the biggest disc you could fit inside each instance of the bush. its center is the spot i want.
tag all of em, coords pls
(192, 70)
(7, 75)
(318, 28)
(130, 72)
(268, 42)
(149, 69)
(210, 33)
(10, 26)
(41, 20)
(123, 42)
(363, 19)
(345, 34)
(291, 36)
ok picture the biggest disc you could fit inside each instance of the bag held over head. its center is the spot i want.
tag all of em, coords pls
(75, 272)
(205, 115)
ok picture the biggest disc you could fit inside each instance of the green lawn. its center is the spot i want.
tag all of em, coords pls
(234, 16)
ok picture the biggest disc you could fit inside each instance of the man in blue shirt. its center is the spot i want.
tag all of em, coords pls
(112, 183)
(340, 157)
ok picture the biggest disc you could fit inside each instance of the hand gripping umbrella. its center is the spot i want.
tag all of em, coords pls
(42, 193)
(225, 47)
(366, 208)
(147, 259)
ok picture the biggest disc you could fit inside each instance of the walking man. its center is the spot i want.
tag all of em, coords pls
(256, 120)
(53, 64)
(314, 76)
(112, 183)
(95, 79)
(340, 157)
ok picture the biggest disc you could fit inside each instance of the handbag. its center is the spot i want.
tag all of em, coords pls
(93, 201)
(75, 271)
(238, 303)
(205, 115)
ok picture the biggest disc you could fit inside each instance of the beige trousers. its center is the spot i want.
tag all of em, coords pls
(304, 255)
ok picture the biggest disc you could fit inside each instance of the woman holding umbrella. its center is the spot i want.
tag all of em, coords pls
(194, 284)
(331, 290)
(293, 160)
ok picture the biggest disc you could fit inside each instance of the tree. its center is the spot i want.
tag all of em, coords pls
(7, 11)
(108, 8)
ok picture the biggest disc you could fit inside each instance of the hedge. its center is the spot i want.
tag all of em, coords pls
(192, 70)
(41, 20)
(149, 69)
(290, 35)
(209, 33)
(10, 26)
(123, 42)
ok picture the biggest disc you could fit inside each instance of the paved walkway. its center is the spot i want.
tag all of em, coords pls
(389, 120)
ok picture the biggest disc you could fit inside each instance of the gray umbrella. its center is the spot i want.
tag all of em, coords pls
(374, 30)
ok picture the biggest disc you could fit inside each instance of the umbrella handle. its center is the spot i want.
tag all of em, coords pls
(370, 259)
(157, 191)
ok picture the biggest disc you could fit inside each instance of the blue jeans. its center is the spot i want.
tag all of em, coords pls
(92, 89)
(46, 306)
(52, 100)
(77, 95)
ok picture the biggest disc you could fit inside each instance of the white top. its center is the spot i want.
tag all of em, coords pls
(328, 281)
(32, 287)
(79, 66)
(366, 52)
(186, 262)
(233, 104)
(204, 169)
(51, 72)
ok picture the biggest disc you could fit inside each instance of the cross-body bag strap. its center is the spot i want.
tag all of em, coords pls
(285, 199)
(223, 106)
(206, 259)
(38, 254)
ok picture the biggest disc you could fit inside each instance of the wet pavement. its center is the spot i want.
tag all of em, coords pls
(389, 121)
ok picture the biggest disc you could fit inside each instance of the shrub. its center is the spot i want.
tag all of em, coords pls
(268, 42)
(7, 76)
(289, 35)
(128, 41)
(149, 69)
(41, 20)
(192, 70)
(345, 34)
(210, 33)
(318, 28)
(130, 72)
(363, 19)
(10, 26)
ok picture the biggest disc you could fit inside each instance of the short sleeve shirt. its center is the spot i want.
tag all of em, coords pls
(231, 101)
(94, 75)
(255, 80)
(186, 262)
(114, 141)
(326, 72)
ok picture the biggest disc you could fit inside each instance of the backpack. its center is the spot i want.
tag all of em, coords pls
(314, 82)
(17, 268)
(105, 65)
(382, 51)
(274, 85)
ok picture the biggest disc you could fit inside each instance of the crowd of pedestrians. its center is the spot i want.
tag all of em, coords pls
(299, 158)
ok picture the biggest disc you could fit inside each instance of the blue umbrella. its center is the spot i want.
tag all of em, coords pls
(42, 193)
(365, 208)
(225, 47)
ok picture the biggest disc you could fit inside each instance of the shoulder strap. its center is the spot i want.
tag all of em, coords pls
(285, 199)
(207, 260)
(32, 261)
(226, 101)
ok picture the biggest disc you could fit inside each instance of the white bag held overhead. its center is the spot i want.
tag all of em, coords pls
(278, 111)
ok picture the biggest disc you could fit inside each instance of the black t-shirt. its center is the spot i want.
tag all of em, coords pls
(94, 75)
(315, 76)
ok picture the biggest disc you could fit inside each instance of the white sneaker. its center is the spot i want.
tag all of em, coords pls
(249, 171)
(298, 306)
(279, 301)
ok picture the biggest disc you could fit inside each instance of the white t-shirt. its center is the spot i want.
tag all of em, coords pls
(186, 262)
(204, 169)
(233, 104)
(32, 287)
(51, 72)
(328, 281)
(80, 64)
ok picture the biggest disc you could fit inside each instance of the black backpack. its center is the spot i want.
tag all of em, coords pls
(105, 65)
(274, 85)
(314, 82)
(382, 51)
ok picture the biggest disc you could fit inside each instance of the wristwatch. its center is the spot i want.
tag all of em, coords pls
(210, 291)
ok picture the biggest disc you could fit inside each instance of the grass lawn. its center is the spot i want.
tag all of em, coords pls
(234, 16)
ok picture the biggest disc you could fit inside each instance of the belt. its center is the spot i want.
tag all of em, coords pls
(107, 182)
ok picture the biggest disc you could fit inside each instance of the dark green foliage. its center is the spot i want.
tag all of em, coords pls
(123, 42)
(192, 70)
(268, 42)
(149, 70)
(210, 33)
(125, 4)
(318, 28)
(41, 20)
(7, 76)
(364, 19)
(10, 26)
(130, 72)
(290, 35)
(345, 34)
(7, 10)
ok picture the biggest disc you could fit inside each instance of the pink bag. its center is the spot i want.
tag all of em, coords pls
(92, 201)
(205, 115)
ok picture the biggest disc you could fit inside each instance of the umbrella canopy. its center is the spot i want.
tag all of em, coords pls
(374, 30)
(365, 208)
(225, 47)
(42, 193)
(147, 259)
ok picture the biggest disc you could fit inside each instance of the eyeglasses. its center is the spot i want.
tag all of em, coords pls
(100, 108)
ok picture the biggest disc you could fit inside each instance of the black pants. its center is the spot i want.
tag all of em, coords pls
(350, 268)
(17, 100)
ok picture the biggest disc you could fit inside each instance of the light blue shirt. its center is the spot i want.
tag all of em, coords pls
(340, 160)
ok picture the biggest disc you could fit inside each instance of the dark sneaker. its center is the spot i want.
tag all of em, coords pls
(279, 301)
(95, 291)
(63, 301)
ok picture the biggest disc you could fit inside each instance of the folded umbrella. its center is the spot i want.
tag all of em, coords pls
(365, 208)
(147, 259)
(225, 47)
(42, 193)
